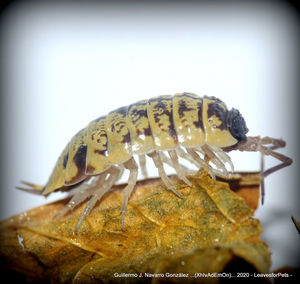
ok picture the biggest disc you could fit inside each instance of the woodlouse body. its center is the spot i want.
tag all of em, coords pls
(160, 123)
(167, 123)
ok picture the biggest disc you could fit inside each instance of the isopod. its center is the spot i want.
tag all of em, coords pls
(198, 129)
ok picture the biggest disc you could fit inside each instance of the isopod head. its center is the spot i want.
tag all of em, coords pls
(237, 125)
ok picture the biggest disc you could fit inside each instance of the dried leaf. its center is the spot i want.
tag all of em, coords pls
(205, 231)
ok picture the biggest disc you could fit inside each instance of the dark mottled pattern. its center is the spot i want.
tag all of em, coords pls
(80, 157)
(147, 131)
(101, 136)
(117, 123)
(199, 123)
(212, 98)
(137, 114)
(218, 111)
(103, 152)
(164, 111)
(66, 157)
(182, 108)
(126, 138)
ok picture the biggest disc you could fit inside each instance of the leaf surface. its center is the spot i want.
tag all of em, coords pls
(205, 231)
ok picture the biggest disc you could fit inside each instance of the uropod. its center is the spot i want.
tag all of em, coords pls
(200, 130)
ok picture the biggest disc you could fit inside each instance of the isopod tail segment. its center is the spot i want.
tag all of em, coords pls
(265, 146)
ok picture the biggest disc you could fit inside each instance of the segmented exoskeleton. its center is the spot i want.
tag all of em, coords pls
(183, 125)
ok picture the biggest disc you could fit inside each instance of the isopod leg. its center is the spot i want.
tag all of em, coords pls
(214, 159)
(142, 162)
(159, 165)
(178, 169)
(181, 153)
(81, 193)
(202, 163)
(133, 168)
(169, 162)
(223, 156)
(98, 194)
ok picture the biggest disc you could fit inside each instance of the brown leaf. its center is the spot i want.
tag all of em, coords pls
(205, 231)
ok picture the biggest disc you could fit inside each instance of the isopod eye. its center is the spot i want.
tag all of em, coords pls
(237, 125)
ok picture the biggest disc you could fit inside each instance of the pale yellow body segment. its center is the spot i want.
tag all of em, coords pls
(75, 169)
(119, 147)
(159, 112)
(215, 136)
(97, 152)
(187, 115)
(57, 178)
(139, 127)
